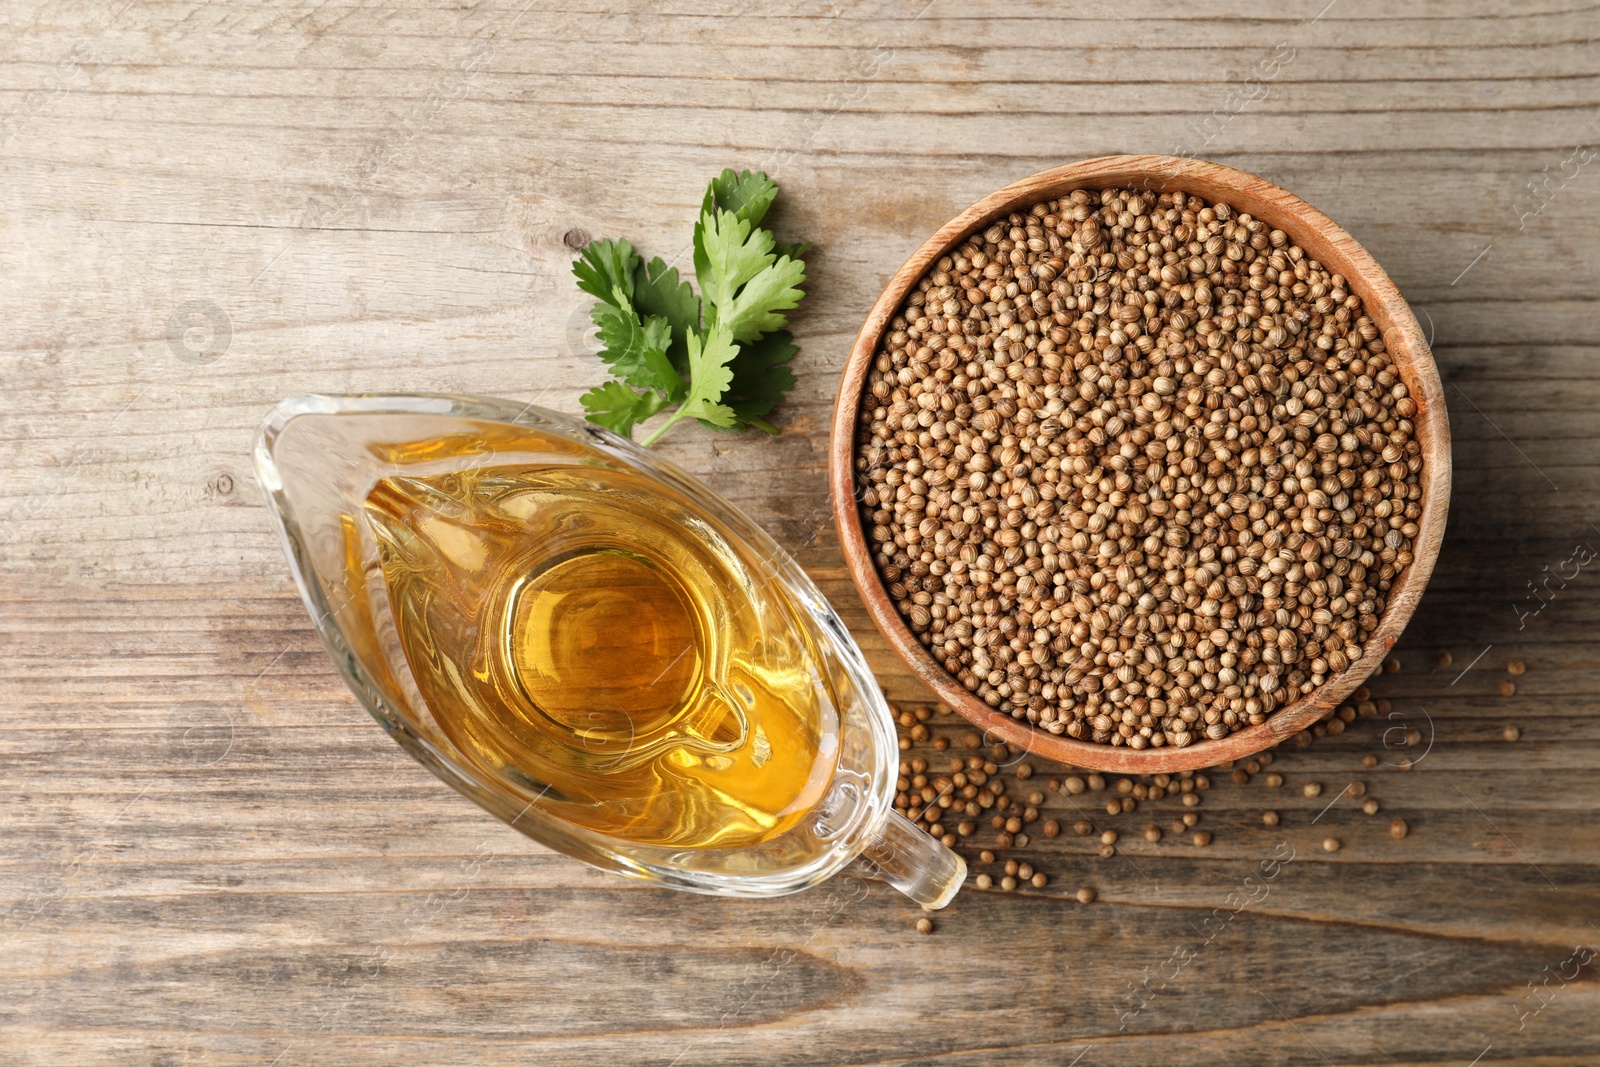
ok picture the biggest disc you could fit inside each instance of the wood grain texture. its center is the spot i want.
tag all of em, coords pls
(211, 855)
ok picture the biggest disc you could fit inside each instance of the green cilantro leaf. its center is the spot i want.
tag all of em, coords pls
(720, 357)
(710, 374)
(616, 407)
(726, 255)
(757, 309)
(745, 288)
(604, 267)
(760, 379)
(658, 290)
(746, 194)
(636, 351)
(795, 251)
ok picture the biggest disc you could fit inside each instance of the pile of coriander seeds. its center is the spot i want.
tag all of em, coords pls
(1136, 469)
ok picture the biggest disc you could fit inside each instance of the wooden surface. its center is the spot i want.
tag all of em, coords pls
(1323, 240)
(211, 856)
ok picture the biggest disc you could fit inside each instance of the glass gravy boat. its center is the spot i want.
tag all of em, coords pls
(319, 459)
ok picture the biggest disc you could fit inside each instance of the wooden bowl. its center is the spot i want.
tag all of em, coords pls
(1321, 239)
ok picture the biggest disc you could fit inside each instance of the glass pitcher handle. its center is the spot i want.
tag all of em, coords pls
(909, 859)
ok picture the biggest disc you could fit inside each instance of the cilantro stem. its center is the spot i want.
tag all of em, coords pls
(655, 434)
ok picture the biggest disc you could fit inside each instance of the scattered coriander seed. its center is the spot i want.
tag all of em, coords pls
(924, 926)
(941, 743)
(1403, 763)
(1107, 851)
(1051, 828)
(1510, 732)
(1369, 760)
(1075, 785)
(1356, 789)
(1444, 659)
(1274, 781)
(1083, 828)
(986, 856)
(1330, 844)
(1085, 895)
(1189, 818)
(983, 881)
(1021, 841)
(1370, 805)
(1191, 800)
(1391, 666)
(1127, 804)
(972, 740)
(1516, 668)
(1269, 818)
(1035, 798)
(1508, 688)
(1011, 867)
(1240, 777)
(1024, 771)
(1025, 871)
(1109, 837)
(1039, 881)
(1152, 833)
(1312, 789)
(1113, 807)
(1008, 883)
(1202, 838)
(1398, 828)
(1097, 783)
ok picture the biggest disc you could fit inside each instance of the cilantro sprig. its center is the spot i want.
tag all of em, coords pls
(719, 356)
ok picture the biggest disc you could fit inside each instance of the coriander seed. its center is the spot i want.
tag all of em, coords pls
(1269, 818)
(1516, 668)
(1510, 732)
(924, 926)
(1137, 470)
(1370, 805)
(1086, 895)
(1398, 828)
(1330, 844)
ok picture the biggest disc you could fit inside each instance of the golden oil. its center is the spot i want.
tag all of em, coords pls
(588, 637)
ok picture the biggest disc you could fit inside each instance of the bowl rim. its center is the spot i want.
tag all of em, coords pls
(1323, 240)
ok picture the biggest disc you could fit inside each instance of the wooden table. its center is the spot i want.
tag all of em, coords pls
(211, 856)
